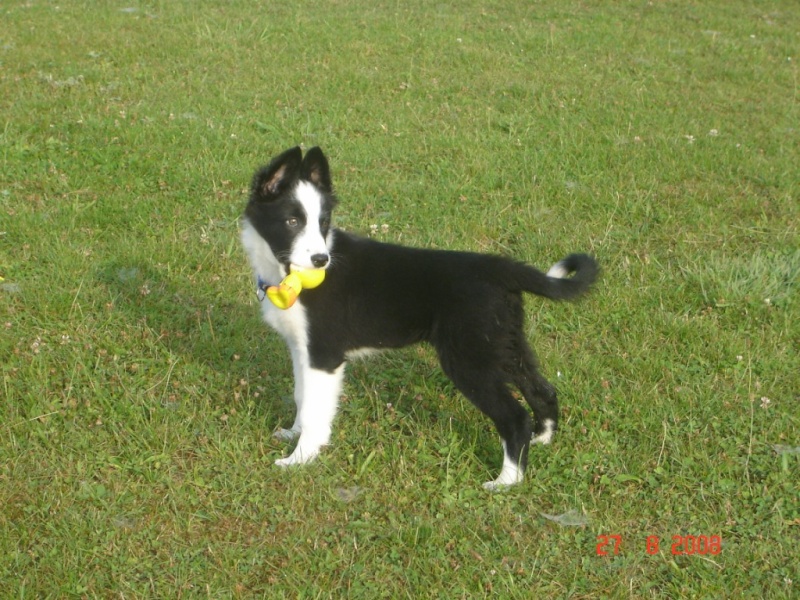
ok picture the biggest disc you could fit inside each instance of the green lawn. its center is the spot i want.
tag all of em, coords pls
(140, 390)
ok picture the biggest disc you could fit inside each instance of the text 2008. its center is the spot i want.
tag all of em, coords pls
(681, 544)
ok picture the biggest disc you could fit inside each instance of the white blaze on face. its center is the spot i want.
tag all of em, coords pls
(310, 240)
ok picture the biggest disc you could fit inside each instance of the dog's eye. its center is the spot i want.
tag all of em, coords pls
(324, 223)
(293, 222)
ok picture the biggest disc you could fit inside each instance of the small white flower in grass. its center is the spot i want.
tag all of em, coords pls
(739, 357)
(767, 301)
(558, 373)
(689, 138)
(384, 228)
(713, 133)
(765, 402)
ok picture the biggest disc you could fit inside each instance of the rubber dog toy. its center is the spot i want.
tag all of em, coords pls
(284, 295)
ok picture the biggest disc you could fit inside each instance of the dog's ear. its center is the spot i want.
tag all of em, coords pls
(272, 180)
(315, 169)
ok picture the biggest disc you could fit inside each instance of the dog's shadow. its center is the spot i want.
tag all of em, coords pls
(208, 329)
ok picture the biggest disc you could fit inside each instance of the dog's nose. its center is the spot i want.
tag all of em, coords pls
(319, 260)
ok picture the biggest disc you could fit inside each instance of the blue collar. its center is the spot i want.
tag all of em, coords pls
(261, 289)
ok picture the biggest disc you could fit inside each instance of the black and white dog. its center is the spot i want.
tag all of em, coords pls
(375, 296)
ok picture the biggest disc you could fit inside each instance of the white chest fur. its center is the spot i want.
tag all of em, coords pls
(290, 323)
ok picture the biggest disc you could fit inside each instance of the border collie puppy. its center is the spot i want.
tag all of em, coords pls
(376, 296)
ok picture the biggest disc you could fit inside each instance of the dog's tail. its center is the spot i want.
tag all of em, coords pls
(567, 279)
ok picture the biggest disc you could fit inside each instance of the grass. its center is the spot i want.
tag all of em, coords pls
(140, 390)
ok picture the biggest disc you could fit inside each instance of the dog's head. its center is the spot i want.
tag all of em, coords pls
(290, 206)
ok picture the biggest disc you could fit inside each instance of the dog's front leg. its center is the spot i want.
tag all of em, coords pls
(299, 366)
(315, 413)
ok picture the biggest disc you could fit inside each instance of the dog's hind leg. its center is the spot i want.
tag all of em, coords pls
(514, 426)
(486, 388)
(513, 423)
(539, 394)
(315, 413)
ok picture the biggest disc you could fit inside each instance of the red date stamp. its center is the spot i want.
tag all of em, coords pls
(611, 545)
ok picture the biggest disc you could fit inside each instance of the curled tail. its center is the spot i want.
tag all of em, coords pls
(557, 283)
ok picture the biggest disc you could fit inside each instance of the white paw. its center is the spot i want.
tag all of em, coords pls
(510, 474)
(501, 483)
(493, 486)
(286, 435)
(547, 435)
(300, 456)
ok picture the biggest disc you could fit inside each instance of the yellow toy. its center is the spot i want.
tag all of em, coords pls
(284, 295)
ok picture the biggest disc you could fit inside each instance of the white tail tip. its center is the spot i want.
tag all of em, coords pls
(558, 271)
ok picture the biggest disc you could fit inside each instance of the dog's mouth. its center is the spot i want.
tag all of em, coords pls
(291, 267)
(294, 267)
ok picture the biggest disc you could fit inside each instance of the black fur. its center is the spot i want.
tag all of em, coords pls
(468, 306)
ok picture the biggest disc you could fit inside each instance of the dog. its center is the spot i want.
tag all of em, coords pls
(378, 296)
